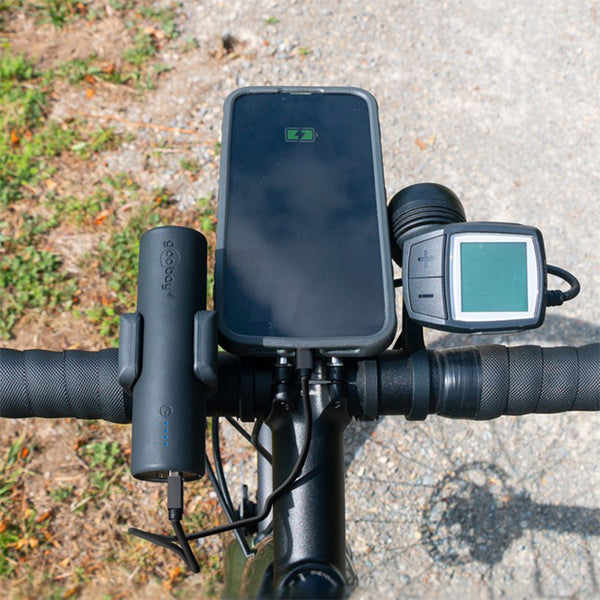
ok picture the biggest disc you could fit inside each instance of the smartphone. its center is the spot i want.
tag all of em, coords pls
(303, 257)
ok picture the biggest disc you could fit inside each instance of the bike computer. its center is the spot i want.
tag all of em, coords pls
(303, 258)
(475, 277)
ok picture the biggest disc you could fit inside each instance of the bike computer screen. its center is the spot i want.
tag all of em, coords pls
(476, 277)
(302, 243)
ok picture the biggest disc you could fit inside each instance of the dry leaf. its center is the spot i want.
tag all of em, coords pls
(101, 217)
(44, 516)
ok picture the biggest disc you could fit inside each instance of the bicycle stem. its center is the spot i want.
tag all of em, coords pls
(309, 520)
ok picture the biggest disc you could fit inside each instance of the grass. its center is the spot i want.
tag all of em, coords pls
(22, 112)
(192, 166)
(31, 274)
(107, 462)
(87, 211)
(149, 28)
(63, 13)
(206, 214)
(62, 493)
(56, 184)
(58, 13)
(22, 529)
(121, 181)
(117, 265)
(30, 277)
(28, 140)
(88, 69)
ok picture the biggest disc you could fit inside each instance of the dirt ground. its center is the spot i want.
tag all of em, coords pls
(69, 496)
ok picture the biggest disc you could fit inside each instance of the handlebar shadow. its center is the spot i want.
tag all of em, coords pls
(472, 513)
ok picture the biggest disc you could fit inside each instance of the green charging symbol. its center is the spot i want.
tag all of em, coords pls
(300, 134)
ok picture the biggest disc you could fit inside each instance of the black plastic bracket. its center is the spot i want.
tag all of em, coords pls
(411, 337)
(130, 350)
(369, 373)
(419, 407)
(206, 349)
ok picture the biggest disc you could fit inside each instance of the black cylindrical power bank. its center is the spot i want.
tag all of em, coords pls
(169, 407)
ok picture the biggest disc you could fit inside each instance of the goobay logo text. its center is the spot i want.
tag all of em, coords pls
(169, 258)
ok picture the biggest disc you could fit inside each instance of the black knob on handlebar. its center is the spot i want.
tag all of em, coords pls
(421, 205)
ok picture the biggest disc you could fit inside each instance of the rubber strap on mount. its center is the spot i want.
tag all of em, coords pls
(419, 408)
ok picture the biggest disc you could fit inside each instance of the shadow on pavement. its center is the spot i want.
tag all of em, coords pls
(473, 514)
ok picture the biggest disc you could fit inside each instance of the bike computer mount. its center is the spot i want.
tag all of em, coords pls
(464, 276)
(475, 277)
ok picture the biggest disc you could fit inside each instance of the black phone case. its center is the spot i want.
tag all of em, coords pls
(239, 343)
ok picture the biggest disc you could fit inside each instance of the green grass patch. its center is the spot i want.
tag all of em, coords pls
(206, 214)
(24, 164)
(103, 455)
(62, 493)
(144, 47)
(121, 181)
(118, 266)
(58, 13)
(107, 462)
(100, 139)
(28, 141)
(22, 530)
(192, 166)
(88, 210)
(22, 110)
(164, 18)
(80, 69)
(30, 277)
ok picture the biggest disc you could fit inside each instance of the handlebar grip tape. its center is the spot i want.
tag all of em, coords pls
(531, 379)
(72, 383)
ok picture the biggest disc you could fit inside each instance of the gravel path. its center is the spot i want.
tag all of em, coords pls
(500, 102)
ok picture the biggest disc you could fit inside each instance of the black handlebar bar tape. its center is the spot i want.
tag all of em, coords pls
(73, 383)
(530, 379)
(489, 381)
(169, 403)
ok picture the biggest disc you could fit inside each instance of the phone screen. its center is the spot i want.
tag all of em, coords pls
(302, 256)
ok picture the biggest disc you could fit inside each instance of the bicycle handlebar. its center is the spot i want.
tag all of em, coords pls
(517, 381)
(72, 383)
(471, 383)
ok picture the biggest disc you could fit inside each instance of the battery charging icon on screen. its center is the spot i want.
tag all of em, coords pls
(300, 134)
